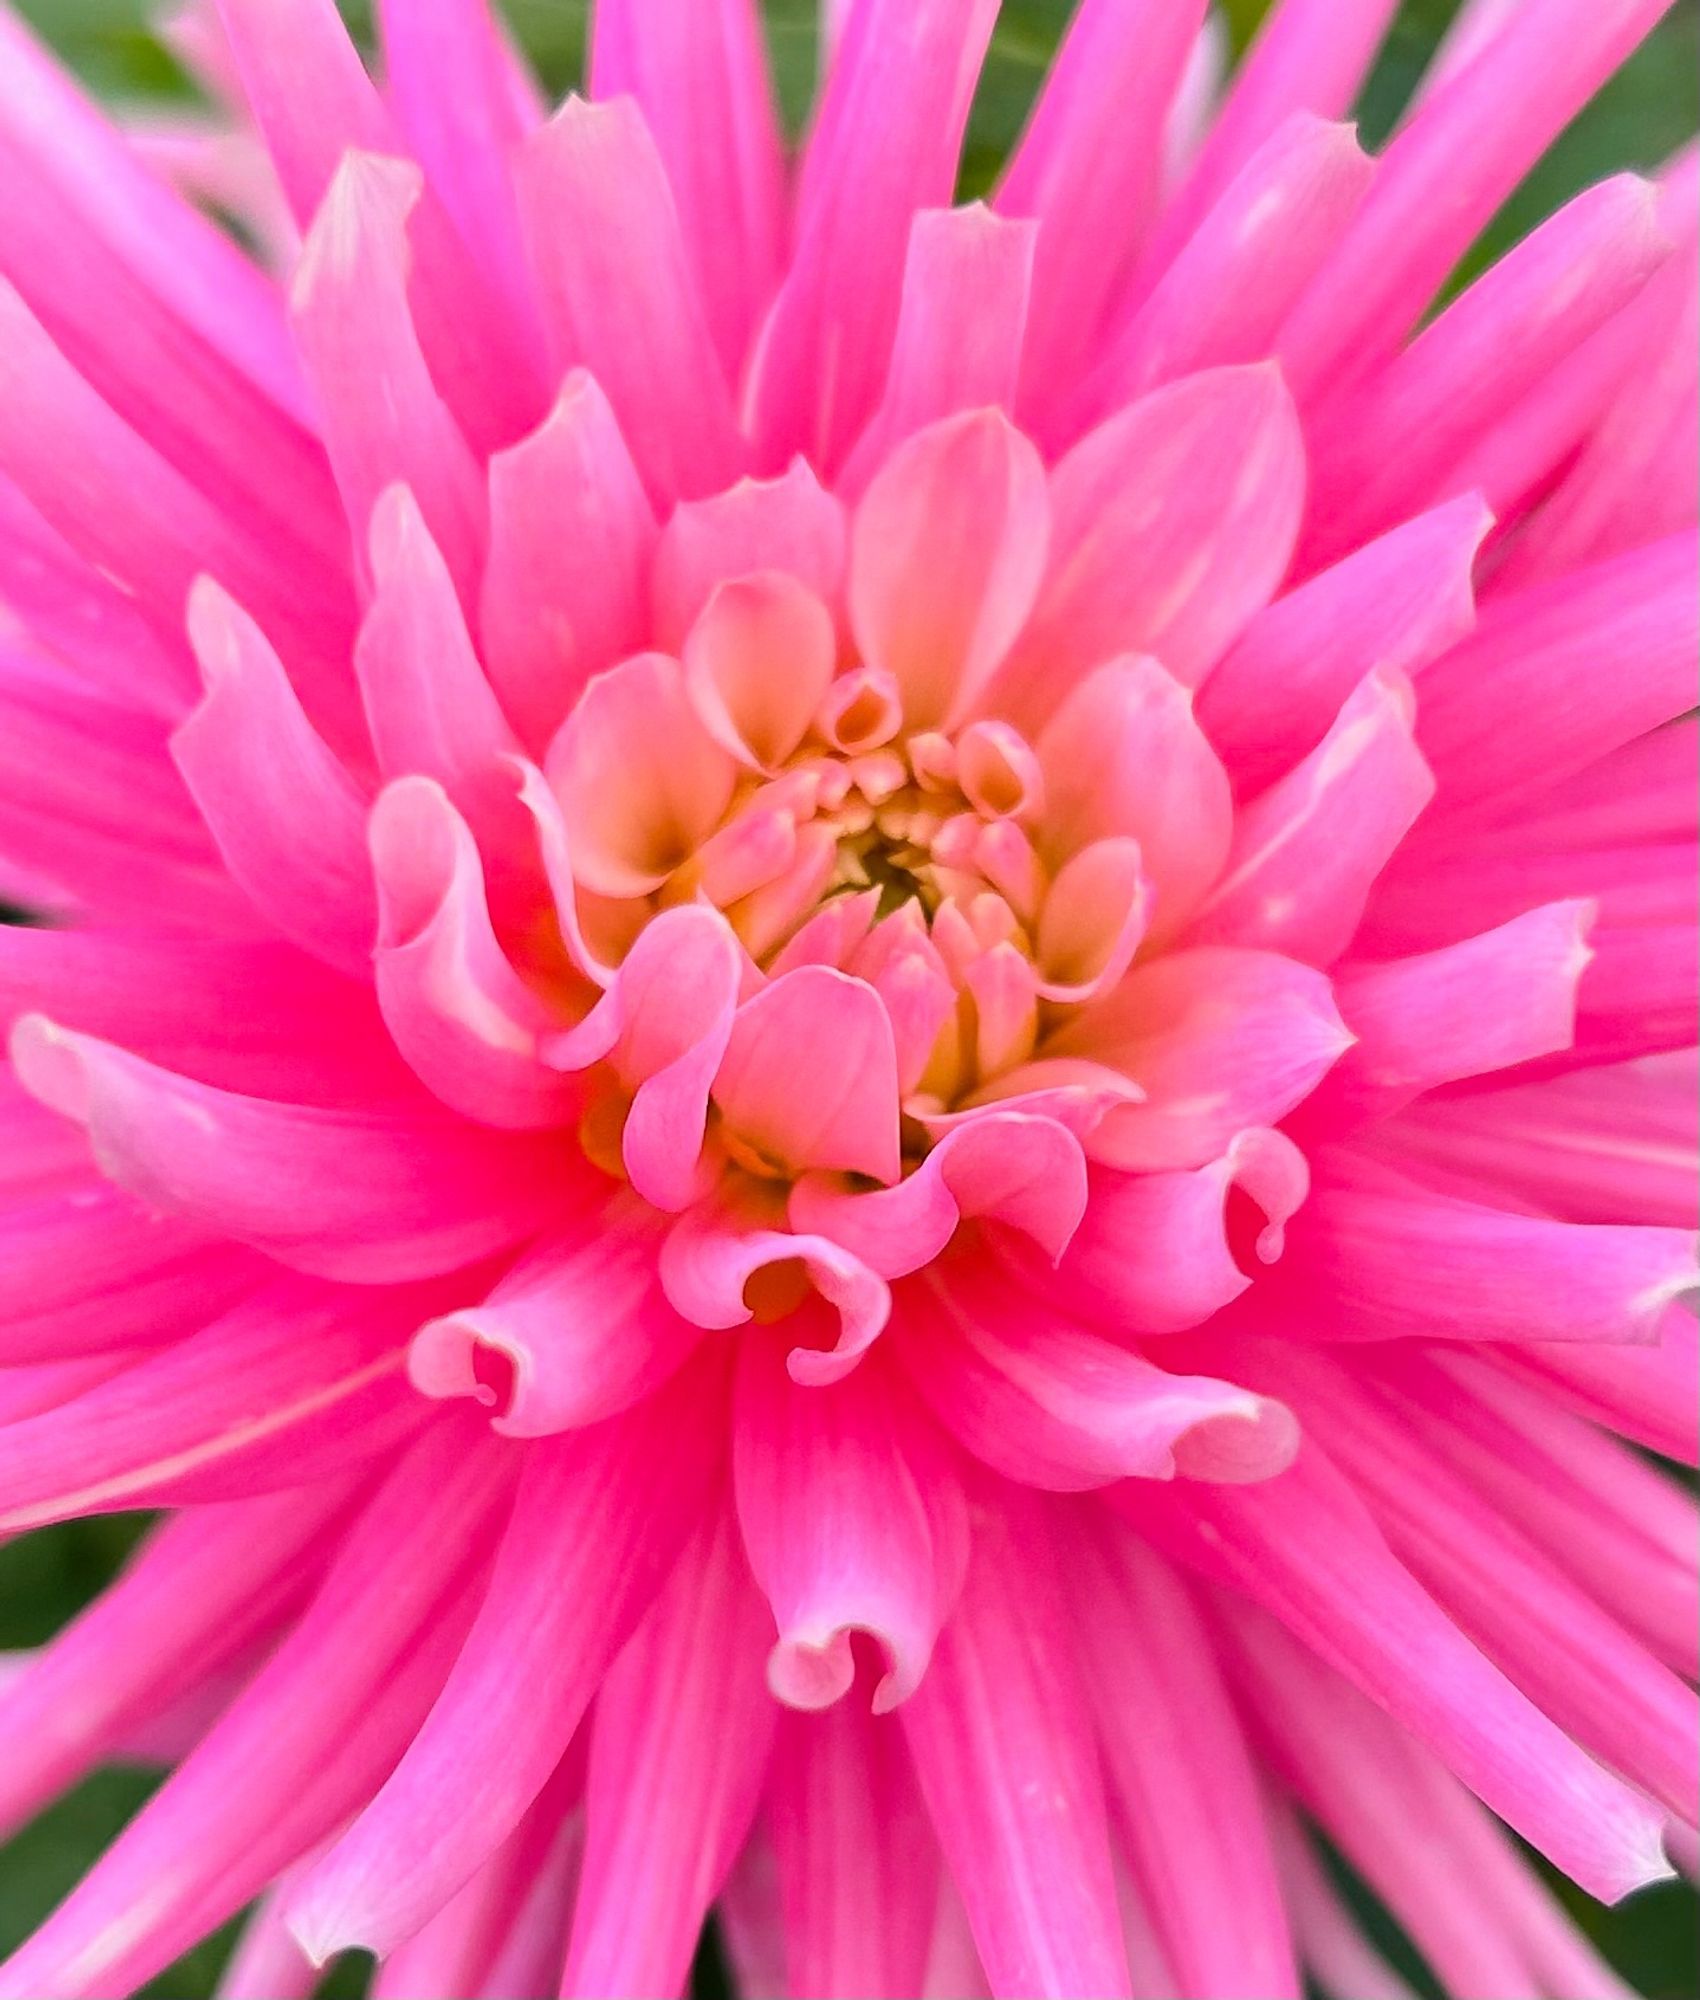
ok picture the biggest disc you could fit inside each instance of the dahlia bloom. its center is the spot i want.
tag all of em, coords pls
(859, 1049)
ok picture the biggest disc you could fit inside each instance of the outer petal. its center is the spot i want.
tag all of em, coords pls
(1003, 1746)
(1393, 605)
(287, 817)
(677, 1753)
(1172, 524)
(1304, 1548)
(947, 549)
(377, 1197)
(619, 296)
(1306, 853)
(597, 1524)
(853, 1519)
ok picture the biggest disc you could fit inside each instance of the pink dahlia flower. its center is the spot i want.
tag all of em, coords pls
(861, 1058)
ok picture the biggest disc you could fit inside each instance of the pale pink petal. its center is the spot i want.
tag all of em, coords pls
(833, 1030)
(699, 74)
(947, 549)
(1185, 1269)
(596, 1525)
(1123, 756)
(1003, 1746)
(570, 538)
(853, 1521)
(791, 524)
(1172, 525)
(967, 278)
(1650, 1394)
(1395, 604)
(677, 1750)
(1024, 1172)
(619, 296)
(1218, 1039)
(757, 663)
(715, 1254)
(576, 1332)
(664, 1022)
(641, 782)
(1096, 916)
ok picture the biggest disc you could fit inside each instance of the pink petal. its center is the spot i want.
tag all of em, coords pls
(1088, 169)
(1401, 601)
(1181, 1777)
(677, 1751)
(578, 1329)
(1225, 295)
(1218, 1039)
(791, 524)
(1303, 1547)
(460, 1014)
(314, 1730)
(966, 282)
(1183, 1269)
(619, 296)
(664, 1022)
(1123, 756)
(884, 145)
(1404, 1259)
(1525, 86)
(377, 1196)
(597, 1523)
(1385, 451)
(1306, 853)
(1048, 1404)
(1465, 1010)
(354, 327)
(817, 1023)
(1003, 1746)
(699, 75)
(947, 549)
(856, 1862)
(288, 819)
(1024, 1172)
(1172, 525)
(571, 534)
(853, 1520)
(714, 1252)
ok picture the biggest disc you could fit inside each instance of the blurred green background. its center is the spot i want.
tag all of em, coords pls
(1644, 114)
